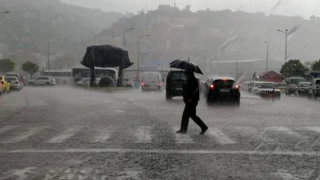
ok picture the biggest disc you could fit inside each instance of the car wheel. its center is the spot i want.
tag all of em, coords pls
(47, 84)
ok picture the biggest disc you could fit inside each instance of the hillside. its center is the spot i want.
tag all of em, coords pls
(30, 23)
(225, 35)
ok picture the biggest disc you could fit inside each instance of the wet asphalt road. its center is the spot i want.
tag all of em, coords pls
(66, 133)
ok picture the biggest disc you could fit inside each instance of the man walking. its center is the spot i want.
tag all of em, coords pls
(191, 99)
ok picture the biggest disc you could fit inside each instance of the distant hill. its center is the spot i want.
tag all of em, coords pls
(30, 23)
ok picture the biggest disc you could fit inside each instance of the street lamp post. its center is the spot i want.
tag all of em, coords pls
(49, 53)
(120, 73)
(68, 52)
(286, 43)
(267, 55)
(124, 36)
(139, 53)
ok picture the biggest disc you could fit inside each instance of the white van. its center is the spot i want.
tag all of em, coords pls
(151, 81)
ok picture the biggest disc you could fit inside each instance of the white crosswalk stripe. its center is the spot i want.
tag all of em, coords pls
(65, 135)
(143, 134)
(220, 136)
(6, 128)
(182, 138)
(25, 135)
(103, 135)
(286, 130)
(314, 129)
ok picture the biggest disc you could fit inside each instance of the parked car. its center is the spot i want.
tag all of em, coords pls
(5, 84)
(250, 86)
(256, 88)
(151, 81)
(303, 88)
(292, 85)
(269, 90)
(86, 82)
(282, 87)
(175, 81)
(222, 89)
(314, 90)
(15, 84)
(1, 88)
(43, 80)
(128, 82)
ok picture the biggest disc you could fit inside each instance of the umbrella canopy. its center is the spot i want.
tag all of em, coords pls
(106, 56)
(185, 65)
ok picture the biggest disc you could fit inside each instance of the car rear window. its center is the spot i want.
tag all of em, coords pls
(177, 75)
(223, 83)
(11, 79)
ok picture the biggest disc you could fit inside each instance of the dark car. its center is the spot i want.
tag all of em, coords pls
(303, 88)
(219, 90)
(175, 81)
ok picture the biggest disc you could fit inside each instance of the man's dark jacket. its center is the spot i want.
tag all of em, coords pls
(191, 90)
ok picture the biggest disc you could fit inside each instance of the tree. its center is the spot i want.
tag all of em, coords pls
(30, 67)
(315, 66)
(6, 65)
(293, 67)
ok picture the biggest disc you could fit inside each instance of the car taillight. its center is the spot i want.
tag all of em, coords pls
(211, 86)
(159, 84)
(142, 83)
(236, 86)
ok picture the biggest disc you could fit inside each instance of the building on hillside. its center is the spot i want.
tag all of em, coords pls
(270, 76)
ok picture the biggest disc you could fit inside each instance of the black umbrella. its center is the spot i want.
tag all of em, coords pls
(185, 65)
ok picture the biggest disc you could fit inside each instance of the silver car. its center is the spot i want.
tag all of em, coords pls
(43, 80)
(15, 84)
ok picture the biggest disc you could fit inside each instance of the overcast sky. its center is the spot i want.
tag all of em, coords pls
(304, 8)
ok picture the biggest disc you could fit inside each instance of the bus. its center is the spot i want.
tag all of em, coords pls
(61, 76)
(80, 73)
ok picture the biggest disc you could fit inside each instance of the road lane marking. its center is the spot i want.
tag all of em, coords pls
(182, 138)
(103, 135)
(314, 129)
(285, 175)
(24, 136)
(65, 135)
(283, 129)
(161, 151)
(143, 134)
(6, 128)
(220, 136)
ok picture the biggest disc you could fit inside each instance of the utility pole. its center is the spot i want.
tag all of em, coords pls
(286, 44)
(68, 52)
(267, 55)
(49, 54)
(138, 70)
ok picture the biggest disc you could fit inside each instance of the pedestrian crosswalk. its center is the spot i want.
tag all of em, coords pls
(152, 134)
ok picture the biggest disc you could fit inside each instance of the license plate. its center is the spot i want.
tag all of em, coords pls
(179, 89)
(224, 90)
(146, 85)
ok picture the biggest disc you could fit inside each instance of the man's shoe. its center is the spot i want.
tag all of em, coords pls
(203, 131)
(181, 132)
